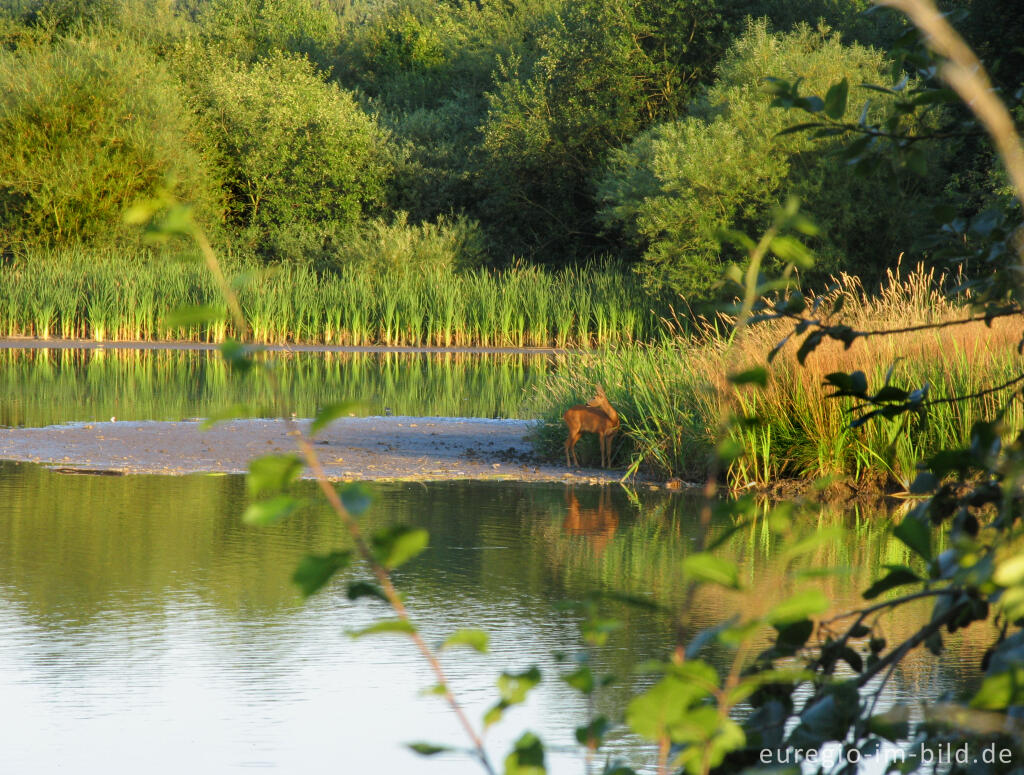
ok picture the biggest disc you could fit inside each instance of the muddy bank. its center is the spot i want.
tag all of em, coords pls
(353, 448)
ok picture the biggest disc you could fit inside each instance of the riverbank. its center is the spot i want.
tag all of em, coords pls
(352, 448)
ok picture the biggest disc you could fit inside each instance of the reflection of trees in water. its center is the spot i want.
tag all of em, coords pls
(46, 387)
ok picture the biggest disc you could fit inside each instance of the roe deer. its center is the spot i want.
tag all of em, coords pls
(596, 416)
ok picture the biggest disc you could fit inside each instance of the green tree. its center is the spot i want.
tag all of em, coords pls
(301, 159)
(88, 126)
(670, 190)
(249, 31)
(602, 72)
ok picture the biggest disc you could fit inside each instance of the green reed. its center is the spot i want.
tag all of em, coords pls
(77, 294)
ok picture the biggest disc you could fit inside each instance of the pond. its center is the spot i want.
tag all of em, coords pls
(143, 627)
(44, 387)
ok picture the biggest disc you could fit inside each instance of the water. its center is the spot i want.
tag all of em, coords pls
(46, 387)
(144, 628)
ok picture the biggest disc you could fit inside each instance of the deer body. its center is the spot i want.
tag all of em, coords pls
(596, 416)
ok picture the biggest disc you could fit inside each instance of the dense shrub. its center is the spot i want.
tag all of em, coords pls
(396, 248)
(249, 30)
(88, 126)
(302, 161)
(670, 189)
(604, 70)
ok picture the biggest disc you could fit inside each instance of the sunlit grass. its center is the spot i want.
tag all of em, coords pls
(672, 397)
(75, 294)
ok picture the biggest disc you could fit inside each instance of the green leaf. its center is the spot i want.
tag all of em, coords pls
(1001, 690)
(315, 570)
(475, 639)
(386, 627)
(359, 589)
(835, 100)
(794, 635)
(582, 680)
(191, 315)
(272, 474)
(792, 251)
(1010, 571)
(514, 687)
(916, 535)
(428, 749)
(237, 355)
(655, 713)
(592, 735)
(356, 498)
(802, 605)
(757, 376)
(898, 575)
(917, 161)
(271, 510)
(527, 757)
(396, 545)
(328, 414)
(707, 568)
(893, 725)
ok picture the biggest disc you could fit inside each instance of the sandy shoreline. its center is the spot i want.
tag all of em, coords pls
(352, 448)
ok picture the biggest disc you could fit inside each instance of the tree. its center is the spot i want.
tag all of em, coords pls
(88, 125)
(301, 160)
(734, 156)
(601, 73)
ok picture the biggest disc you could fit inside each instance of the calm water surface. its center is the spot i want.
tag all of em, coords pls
(46, 387)
(144, 628)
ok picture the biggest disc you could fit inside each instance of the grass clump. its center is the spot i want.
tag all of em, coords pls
(672, 396)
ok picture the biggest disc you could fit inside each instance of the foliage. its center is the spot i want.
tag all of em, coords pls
(298, 154)
(87, 126)
(671, 189)
(602, 72)
(250, 31)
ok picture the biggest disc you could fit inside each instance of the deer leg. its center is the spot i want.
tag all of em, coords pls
(570, 445)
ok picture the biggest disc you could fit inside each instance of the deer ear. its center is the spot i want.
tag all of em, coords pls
(600, 390)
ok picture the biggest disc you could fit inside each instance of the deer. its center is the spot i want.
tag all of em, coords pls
(596, 416)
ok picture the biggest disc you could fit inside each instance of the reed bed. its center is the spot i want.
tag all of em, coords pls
(675, 396)
(72, 295)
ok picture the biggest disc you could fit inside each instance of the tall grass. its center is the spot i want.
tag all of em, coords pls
(75, 294)
(671, 396)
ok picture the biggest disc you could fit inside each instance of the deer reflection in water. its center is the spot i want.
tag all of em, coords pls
(597, 524)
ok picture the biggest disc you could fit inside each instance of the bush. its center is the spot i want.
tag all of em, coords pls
(249, 30)
(87, 127)
(398, 248)
(302, 161)
(669, 190)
